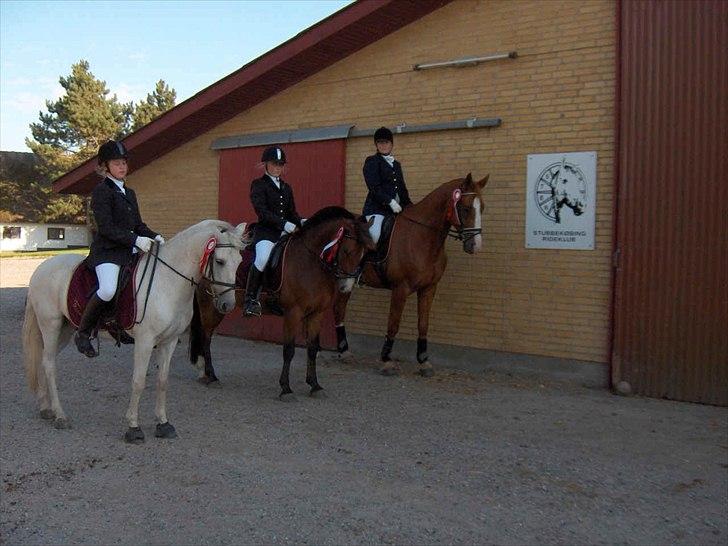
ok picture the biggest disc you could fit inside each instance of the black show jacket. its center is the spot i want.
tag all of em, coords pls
(384, 182)
(118, 223)
(273, 206)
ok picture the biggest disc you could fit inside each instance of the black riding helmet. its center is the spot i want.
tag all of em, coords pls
(112, 149)
(383, 134)
(274, 154)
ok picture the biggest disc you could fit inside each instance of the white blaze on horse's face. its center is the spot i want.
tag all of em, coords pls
(346, 285)
(478, 240)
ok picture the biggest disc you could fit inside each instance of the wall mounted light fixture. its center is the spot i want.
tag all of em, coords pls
(466, 61)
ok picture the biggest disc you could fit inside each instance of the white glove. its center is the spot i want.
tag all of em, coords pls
(160, 239)
(289, 227)
(303, 220)
(143, 243)
(396, 209)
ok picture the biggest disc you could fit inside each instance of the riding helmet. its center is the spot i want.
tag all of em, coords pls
(274, 154)
(112, 149)
(383, 134)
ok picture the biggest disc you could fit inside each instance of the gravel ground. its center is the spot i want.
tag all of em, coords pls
(461, 458)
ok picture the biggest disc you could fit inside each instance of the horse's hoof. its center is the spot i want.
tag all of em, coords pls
(389, 371)
(213, 383)
(319, 393)
(345, 355)
(62, 423)
(165, 430)
(287, 397)
(47, 414)
(426, 370)
(134, 435)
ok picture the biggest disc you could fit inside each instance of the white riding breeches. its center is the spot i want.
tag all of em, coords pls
(376, 230)
(262, 254)
(108, 275)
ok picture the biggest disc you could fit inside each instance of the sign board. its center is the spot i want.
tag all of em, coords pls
(561, 200)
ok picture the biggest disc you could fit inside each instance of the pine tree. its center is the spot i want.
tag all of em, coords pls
(74, 127)
(159, 101)
(78, 123)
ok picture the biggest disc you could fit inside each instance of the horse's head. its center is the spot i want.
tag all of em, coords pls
(220, 262)
(465, 212)
(356, 242)
(566, 190)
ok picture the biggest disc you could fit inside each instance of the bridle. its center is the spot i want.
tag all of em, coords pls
(452, 216)
(205, 266)
(460, 233)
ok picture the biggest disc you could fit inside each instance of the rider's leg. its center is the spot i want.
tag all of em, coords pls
(376, 230)
(255, 277)
(108, 275)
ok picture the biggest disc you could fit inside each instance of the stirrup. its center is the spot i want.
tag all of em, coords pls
(253, 309)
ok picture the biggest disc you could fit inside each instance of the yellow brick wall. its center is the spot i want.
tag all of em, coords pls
(556, 96)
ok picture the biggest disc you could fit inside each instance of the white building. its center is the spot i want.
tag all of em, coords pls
(28, 236)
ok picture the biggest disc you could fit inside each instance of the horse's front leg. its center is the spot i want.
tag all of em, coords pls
(425, 296)
(142, 351)
(396, 306)
(291, 320)
(340, 303)
(313, 328)
(164, 427)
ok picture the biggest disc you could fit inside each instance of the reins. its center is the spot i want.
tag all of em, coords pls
(192, 281)
(454, 230)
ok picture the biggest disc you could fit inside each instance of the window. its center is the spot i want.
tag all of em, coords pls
(11, 232)
(57, 233)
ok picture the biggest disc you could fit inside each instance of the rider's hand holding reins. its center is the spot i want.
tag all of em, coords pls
(289, 227)
(396, 208)
(160, 239)
(144, 243)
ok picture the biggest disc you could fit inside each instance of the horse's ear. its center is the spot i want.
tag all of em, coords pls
(241, 227)
(469, 180)
(483, 182)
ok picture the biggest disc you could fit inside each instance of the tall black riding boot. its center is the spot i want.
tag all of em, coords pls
(252, 291)
(90, 317)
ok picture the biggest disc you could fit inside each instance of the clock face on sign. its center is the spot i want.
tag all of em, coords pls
(559, 183)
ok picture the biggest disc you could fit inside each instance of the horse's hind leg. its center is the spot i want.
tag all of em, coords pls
(51, 331)
(44, 400)
(396, 306)
(313, 327)
(340, 303)
(424, 303)
(164, 427)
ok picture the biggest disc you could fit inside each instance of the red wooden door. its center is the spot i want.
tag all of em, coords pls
(315, 170)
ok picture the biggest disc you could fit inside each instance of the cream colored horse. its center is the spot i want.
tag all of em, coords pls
(46, 329)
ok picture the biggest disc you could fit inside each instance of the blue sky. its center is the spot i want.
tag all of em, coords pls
(130, 45)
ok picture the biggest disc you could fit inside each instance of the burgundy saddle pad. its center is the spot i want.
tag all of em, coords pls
(83, 285)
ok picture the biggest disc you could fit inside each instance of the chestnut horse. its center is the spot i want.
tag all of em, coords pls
(417, 260)
(321, 257)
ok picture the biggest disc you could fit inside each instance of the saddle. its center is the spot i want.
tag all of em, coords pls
(120, 314)
(272, 275)
(377, 258)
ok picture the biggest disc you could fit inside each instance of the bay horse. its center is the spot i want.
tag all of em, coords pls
(209, 249)
(322, 258)
(416, 261)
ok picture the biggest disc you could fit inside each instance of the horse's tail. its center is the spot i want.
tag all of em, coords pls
(197, 337)
(32, 346)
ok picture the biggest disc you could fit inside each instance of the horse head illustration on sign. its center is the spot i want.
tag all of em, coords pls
(561, 184)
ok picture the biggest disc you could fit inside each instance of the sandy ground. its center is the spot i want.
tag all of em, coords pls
(461, 458)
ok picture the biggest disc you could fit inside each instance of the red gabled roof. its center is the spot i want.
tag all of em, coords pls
(317, 47)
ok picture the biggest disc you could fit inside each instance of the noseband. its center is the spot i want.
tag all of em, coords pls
(211, 278)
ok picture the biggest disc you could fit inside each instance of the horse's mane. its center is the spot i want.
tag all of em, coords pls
(324, 215)
(224, 228)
